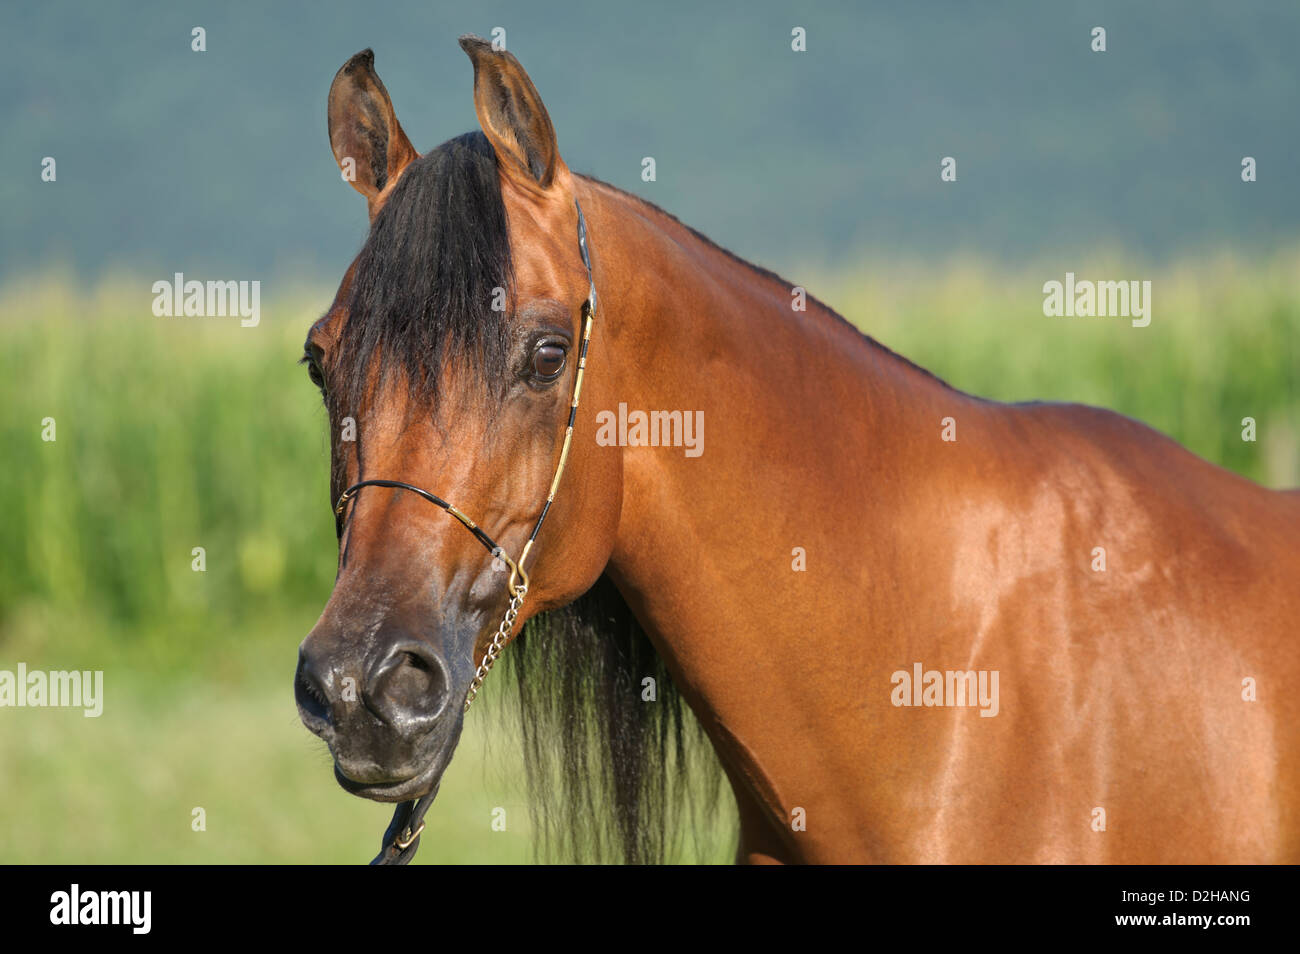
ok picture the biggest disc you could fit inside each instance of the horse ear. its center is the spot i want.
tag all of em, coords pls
(511, 113)
(368, 142)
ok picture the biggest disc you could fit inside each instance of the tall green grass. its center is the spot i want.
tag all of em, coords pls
(181, 433)
(171, 434)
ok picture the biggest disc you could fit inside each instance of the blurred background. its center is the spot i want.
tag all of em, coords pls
(821, 165)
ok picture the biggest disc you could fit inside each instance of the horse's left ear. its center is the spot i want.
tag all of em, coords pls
(365, 136)
(511, 113)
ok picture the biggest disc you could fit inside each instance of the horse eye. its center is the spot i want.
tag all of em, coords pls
(548, 360)
(313, 372)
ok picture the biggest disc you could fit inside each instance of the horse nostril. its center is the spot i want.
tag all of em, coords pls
(309, 693)
(410, 685)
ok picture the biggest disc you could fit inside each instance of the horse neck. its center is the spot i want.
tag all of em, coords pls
(809, 427)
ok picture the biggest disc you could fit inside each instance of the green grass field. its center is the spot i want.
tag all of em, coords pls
(174, 434)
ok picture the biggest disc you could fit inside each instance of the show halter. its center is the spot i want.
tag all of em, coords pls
(402, 836)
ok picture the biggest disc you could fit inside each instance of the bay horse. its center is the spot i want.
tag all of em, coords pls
(914, 625)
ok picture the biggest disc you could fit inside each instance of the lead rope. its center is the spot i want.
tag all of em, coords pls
(402, 837)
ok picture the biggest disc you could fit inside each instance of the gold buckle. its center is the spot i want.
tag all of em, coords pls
(404, 843)
(517, 570)
(516, 573)
(342, 504)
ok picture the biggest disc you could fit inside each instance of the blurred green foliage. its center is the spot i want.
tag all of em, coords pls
(171, 434)
(217, 163)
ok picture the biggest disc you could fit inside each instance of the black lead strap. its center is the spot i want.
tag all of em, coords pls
(402, 837)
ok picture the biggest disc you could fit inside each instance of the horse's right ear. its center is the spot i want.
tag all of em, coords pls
(512, 116)
(368, 142)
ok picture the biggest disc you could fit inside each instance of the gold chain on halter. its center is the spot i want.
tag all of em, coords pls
(497, 645)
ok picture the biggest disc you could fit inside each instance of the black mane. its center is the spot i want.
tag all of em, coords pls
(611, 775)
(425, 281)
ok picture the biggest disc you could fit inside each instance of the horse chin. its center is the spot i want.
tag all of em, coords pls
(399, 789)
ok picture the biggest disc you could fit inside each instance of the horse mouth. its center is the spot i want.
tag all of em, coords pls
(386, 789)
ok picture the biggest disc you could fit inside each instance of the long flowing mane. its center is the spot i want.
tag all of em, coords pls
(612, 775)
